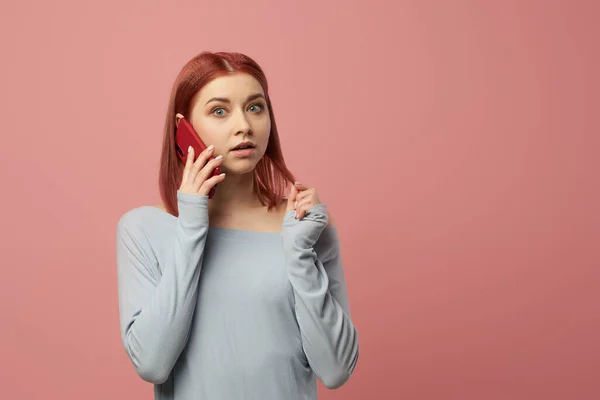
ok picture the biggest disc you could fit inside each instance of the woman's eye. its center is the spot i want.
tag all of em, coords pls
(255, 108)
(219, 112)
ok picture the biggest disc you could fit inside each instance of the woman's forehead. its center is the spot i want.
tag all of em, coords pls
(233, 87)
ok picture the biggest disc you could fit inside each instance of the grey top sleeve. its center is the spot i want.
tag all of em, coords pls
(329, 338)
(156, 304)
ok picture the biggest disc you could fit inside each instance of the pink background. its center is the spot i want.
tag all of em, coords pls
(456, 143)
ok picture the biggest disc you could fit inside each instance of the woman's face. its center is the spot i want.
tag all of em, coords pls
(229, 111)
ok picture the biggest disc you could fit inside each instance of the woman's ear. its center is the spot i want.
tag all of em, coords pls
(177, 118)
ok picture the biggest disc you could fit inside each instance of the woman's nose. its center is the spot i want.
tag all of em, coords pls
(241, 124)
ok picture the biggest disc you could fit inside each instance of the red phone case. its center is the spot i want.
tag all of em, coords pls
(186, 136)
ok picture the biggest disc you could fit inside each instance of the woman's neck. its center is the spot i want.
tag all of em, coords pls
(235, 192)
(236, 206)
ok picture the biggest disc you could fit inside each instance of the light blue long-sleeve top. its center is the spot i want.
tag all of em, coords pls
(217, 313)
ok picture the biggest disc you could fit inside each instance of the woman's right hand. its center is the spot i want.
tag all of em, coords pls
(196, 173)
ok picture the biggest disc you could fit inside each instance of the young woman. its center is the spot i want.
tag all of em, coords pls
(240, 296)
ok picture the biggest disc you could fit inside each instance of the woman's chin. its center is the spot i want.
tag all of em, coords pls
(239, 167)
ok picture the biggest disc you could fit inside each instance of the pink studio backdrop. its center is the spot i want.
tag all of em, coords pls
(455, 142)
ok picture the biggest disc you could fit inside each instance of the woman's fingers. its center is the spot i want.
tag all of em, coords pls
(207, 171)
(210, 183)
(304, 194)
(300, 186)
(305, 198)
(201, 161)
(194, 172)
(188, 165)
(292, 198)
(303, 206)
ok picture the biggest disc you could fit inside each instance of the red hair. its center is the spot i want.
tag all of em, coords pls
(271, 175)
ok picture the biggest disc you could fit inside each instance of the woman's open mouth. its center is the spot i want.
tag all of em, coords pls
(242, 150)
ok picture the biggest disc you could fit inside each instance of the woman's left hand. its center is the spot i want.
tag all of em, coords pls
(301, 199)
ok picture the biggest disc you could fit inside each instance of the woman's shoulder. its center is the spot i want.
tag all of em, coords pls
(144, 220)
(142, 212)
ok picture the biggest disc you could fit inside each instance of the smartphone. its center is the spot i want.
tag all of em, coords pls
(186, 136)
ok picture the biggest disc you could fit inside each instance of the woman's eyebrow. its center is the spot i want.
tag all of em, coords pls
(225, 100)
(255, 96)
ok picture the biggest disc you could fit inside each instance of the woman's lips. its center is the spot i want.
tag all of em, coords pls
(243, 153)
